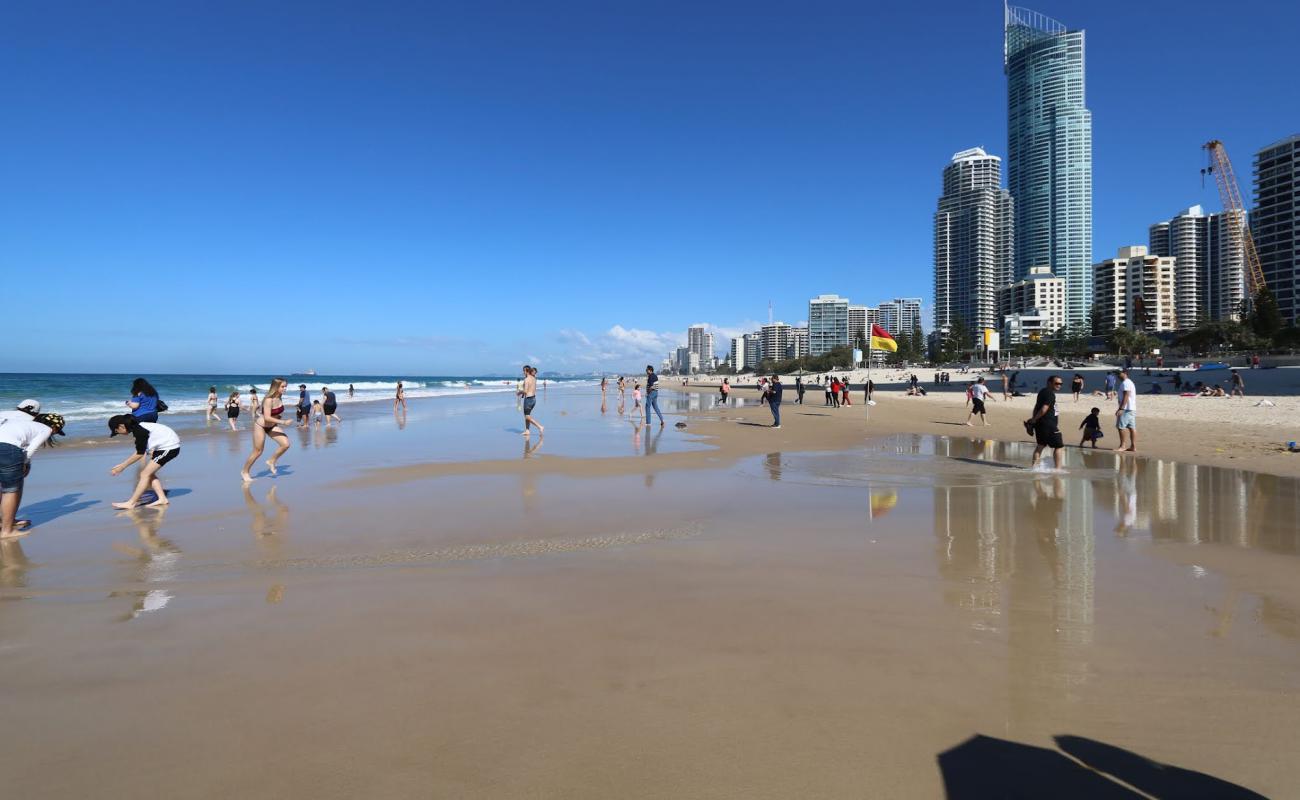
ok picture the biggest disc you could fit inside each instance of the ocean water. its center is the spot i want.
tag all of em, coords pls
(88, 400)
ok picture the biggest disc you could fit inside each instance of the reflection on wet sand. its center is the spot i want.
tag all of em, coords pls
(154, 562)
(772, 463)
(14, 564)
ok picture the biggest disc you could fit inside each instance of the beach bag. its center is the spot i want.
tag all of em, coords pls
(161, 405)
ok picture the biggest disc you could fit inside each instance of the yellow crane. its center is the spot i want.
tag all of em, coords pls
(1221, 168)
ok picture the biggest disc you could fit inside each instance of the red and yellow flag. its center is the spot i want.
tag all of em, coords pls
(881, 340)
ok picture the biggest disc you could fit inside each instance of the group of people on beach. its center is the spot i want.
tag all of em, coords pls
(1044, 424)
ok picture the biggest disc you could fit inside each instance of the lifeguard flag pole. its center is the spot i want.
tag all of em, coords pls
(878, 340)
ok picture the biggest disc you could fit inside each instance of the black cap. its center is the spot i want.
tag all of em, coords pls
(120, 419)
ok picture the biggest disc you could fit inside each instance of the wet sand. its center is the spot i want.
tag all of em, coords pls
(730, 611)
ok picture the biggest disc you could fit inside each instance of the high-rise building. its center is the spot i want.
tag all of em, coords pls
(857, 325)
(899, 316)
(1209, 279)
(1136, 290)
(753, 350)
(738, 353)
(973, 241)
(799, 342)
(1049, 153)
(1275, 222)
(1040, 294)
(778, 341)
(828, 323)
(700, 342)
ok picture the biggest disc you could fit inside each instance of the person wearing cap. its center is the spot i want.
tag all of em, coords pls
(154, 442)
(20, 438)
(26, 410)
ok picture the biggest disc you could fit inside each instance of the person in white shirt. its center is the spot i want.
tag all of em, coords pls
(21, 436)
(155, 442)
(1126, 414)
(979, 393)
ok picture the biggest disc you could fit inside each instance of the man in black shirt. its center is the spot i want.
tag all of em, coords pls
(774, 400)
(1045, 424)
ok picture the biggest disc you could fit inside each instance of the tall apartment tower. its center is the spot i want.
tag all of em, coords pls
(1275, 222)
(857, 325)
(1136, 290)
(1209, 278)
(902, 315)
(1049, 153)
(778, 341)
(828, 323)
(974, 241)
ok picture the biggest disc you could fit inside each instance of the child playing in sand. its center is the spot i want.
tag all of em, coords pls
(1091, 427)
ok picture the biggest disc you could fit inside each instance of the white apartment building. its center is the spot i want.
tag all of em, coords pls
(902, 315)
(1136, 290)
(799, 336)
(1040, 294)
(1209, 276)
(828, 323)
(753, 350)
(778, 341)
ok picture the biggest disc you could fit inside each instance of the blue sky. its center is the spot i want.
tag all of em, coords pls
(458, 187)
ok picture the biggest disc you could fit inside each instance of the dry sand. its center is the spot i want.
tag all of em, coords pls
(725, 611)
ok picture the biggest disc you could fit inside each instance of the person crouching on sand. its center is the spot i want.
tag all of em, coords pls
(20, 439)
(156, 443)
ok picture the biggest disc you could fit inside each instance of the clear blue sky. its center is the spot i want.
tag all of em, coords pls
(457, 187)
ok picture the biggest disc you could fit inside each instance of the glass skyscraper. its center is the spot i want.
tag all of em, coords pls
(1049, 153)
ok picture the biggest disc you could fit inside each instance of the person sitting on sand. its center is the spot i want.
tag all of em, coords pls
(1091, 427)
(156, 443)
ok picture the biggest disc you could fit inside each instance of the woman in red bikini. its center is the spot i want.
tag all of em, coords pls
(268, 424)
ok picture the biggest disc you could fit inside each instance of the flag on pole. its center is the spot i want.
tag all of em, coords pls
(881, 340)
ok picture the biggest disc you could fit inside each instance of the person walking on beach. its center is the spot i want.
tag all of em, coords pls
(979, 393)
(302, 411)
(144, 402)
(835, 392)
(844, 392)
(232, 409)
(604, 382)
(1045, 424)
(652, 395)
(774, 389)
(212, 404)
(1006, 385)
(798, 390)
(1238, 385)
(868, 389)
(530, 401)
(636, 398)
(399, 399)
(724, 391)
(826, 387)
(1126, 414)
(267, 423)
(351, 390)
(254, 410)
(21, 436)
(1091, 427)
(1076, 386)
(329, 405)
(1110, 386)
(156, 443)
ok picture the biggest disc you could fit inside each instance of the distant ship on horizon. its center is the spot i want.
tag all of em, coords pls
(311, 373)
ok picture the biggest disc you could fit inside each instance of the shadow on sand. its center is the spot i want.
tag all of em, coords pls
(52, 509)
(983, 767)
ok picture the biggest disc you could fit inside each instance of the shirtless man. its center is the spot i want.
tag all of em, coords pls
(530, 400)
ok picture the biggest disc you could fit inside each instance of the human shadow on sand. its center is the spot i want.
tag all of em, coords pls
(983, 767)
(55, 507)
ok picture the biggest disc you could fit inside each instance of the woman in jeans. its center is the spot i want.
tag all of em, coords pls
(19, 440)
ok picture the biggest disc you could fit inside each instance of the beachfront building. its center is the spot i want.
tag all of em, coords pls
(753, 350)
(737, 359)
(700, 341)
(857, 325)
(1136, 290)
(799, 341)
(1019, 328)
(1275, 222)
(899, 316)
(1049, 153)
(685, 362)
(973, 241)
(828, 323)
(1040, 294)
(778, 341)
(1209, 278)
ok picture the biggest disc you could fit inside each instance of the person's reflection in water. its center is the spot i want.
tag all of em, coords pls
(13, 564)
(773, 465)
(332, 434)
(264, 526)
(652, 441)
(1126, 490)
(156, 561)
(604, 405)
(532, 447)
(400, 418)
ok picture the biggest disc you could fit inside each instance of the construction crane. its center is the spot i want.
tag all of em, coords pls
(1221, 168)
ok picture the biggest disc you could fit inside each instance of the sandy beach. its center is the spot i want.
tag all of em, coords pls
(864, 603)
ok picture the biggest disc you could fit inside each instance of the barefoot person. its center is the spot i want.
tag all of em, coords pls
(1046, 425)
(652, 395)
(530, 401)
(212, 404)
(21, 436)
(154, 442)
(268, 423)
(330, 405)
(979, 394)
(232, 409)
(1126, 414)
(399, 399)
